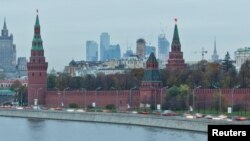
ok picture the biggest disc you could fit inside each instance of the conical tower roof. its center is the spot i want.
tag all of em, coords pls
(37, 43)
(152, 58)
(176, 38)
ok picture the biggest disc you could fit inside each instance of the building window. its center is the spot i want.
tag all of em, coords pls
(33, 74)
(40, 74)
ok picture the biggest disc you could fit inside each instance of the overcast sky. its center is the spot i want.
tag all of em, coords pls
(67, 24)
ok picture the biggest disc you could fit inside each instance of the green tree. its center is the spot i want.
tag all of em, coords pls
(244, 74)
(138, 73)
(21, 92)
(227, 63)
(212, 74)
(51, 81)
(176, 98)
(229, 70)
(73, 105)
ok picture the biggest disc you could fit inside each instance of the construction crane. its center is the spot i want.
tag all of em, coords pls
(203, 52)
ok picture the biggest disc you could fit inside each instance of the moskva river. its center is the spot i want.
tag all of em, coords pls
(21, 129)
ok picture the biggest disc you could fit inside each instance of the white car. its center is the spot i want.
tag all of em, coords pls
(70, 110)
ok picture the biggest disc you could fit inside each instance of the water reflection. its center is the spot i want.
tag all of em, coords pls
(52, 130)
(35, 128)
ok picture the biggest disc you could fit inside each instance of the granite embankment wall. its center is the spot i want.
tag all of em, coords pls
(198, 125)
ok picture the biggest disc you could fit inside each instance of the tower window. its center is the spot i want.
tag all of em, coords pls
(40, 74)
(33, 74)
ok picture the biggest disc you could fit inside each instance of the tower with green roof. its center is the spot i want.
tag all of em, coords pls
(176, 61)
(151, 83)
(37, 69)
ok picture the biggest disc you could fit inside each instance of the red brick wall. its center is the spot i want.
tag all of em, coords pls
(239, 97)
(102, 98)
(204, 98)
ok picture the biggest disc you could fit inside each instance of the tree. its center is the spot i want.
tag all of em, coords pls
(138, 73)
(2, 75)
(212, 74)
(51, 81)
(244, 74)
(229, 70)
(21, 92)
(15, 85)
(73, 105)
(227, 63)
(176, 97)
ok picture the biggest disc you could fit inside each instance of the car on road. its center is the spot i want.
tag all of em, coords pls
(169, 113)
(240, 118)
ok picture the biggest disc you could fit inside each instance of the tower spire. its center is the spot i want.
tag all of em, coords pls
(215, 50)
(215, 56)
(37, 43)
(4, 25)
(5, 30)
(37, 19)
(176, 38)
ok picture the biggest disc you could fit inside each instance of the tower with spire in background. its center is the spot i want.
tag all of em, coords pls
(175, 60)
(7, 51)
(215, 56)
(37, 69)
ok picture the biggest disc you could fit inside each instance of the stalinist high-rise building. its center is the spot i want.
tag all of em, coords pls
(7, 51)
(215, 56)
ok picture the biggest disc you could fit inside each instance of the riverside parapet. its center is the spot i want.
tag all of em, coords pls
(198, 125)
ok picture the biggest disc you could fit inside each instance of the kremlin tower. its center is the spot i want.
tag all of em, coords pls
(176, 61)
(37, 70)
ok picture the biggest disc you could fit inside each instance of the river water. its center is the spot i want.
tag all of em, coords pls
(22, 129)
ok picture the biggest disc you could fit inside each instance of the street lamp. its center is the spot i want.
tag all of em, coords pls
(59, 95)
(98, 88)
(85, 104)
(154, 96)
(130, 97)
(232, 97)
(117, 106)
(219, 97)
(16, 96)
(37, 92)
(194, 95)
(161, 94)
(64, 95)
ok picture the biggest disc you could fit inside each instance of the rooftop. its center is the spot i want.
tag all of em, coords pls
(6, 92)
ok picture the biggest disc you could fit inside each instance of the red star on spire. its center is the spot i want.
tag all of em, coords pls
(175, 19)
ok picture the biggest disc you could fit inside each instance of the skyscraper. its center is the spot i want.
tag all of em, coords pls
(163, 48)
(91, 51)
(22, 66)
(104, 45)
(7, 51)
(215, 56)
(113, 52)
(140, 48)
(176, 61)
(149, 50)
